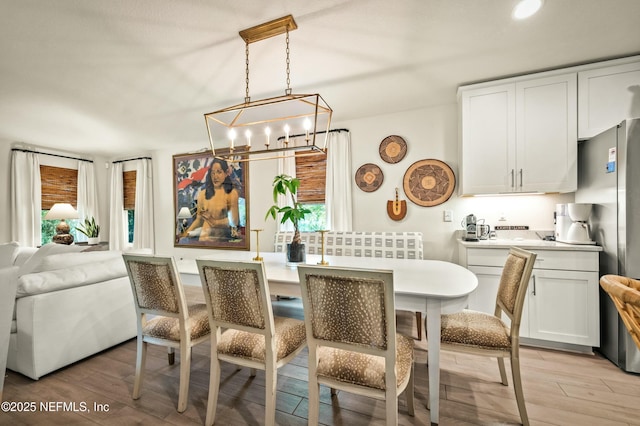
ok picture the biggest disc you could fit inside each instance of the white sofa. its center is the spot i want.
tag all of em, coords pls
(69, 305)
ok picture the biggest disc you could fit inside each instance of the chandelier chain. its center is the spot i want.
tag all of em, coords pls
(288, 91)
(246, 52)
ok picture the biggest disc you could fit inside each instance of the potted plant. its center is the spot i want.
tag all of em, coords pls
(288, 186)
(91, 229)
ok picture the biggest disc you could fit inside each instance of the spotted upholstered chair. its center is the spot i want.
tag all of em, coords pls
(625, 294)
(238, 302)
(157, 291)
(483, 334)
(351, 333)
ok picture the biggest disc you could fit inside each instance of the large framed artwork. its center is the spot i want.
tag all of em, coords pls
(211, 202)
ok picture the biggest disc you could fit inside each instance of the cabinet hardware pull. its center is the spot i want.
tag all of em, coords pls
(534, 285)
(520, 178)
(512, 178)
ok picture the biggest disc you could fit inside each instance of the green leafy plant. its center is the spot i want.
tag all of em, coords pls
(89, 228)
(288, 186)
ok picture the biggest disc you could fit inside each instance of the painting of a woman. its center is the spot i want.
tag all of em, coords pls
(214, 192)
(217, 205)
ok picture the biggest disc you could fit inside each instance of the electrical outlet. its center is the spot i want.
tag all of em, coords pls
(447, 216)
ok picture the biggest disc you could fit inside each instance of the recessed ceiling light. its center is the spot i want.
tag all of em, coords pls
(526, 8)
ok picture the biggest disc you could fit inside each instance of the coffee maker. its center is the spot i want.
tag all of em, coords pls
(469, 225)
(578, 231)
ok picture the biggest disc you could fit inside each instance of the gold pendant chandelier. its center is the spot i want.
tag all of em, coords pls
(269, 128)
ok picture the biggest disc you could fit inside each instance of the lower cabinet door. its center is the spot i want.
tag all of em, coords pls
(563, 307)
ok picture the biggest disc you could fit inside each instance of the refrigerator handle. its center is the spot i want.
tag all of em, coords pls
(512, 178)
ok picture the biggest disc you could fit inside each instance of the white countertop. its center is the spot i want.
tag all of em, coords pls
(528, 244)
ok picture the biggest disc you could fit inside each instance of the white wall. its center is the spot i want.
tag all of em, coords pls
(429, 133)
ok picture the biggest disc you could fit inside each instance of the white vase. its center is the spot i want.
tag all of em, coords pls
(93, 241)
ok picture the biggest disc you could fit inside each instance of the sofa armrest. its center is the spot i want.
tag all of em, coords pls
(8, 287)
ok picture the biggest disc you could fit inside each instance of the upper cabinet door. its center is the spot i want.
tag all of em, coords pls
(546, 134)
(606, 96)
(488, 140)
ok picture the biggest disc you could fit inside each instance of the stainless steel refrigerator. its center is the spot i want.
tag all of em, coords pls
(609, 177)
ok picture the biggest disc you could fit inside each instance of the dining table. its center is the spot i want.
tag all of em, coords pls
(432, 287)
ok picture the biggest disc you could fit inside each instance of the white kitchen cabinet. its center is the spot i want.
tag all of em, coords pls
(606, 96)
(561, 305)
(519, 136)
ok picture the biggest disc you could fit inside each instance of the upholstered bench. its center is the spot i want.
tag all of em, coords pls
(399, 245)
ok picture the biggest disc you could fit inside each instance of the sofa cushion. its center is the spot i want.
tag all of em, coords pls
(8, 253)
(89, 273)
(33, 263)
(70, 260)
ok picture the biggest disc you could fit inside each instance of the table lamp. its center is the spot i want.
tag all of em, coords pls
(184, 214)
(62, 211)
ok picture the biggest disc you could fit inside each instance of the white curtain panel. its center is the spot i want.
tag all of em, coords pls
(117, 229)
(339, 183)
(286, 166)
(143, 229)
(87, 195)
(26, 199)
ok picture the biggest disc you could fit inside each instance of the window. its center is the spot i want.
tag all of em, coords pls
(312, 172)
(129, 189)
(59, 185)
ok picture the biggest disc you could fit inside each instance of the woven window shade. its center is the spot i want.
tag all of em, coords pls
(312, 172)
(59, 185)
(129, 187)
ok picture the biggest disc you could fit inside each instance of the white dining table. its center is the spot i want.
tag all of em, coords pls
(432, 287)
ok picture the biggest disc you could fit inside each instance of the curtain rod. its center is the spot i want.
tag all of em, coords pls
(53, 155)
(317, 133)
(131, 159)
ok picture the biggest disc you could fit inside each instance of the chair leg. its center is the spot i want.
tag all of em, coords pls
(141, 358)
(419, 324)
(185, 373)
(271, 381)
(214, 388)
(253, 372)
(314, 400)
(391, 404)
(517, 387)
(503, 372)
(409, 393)
(171, 354)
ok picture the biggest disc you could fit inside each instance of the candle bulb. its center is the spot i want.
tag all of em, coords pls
(307, 126)
(232, 135)
(247, 134)
(286, 133)
(267, 131)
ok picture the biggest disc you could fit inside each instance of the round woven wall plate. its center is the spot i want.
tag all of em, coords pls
(393, 149)
(429, 182)
(369, 177)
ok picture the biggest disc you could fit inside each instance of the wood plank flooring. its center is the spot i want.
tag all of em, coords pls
(560, 389)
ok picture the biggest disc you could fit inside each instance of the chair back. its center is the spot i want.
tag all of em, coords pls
(350, 309)
(156, 286)
(625, 294)
(513, 285)
(237, 295)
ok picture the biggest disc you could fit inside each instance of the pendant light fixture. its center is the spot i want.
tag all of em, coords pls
(269, 128)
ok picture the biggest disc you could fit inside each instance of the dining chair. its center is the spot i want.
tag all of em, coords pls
(351, 333)
(238, 302)
(625, 294)
(479, 333)
(157, 291)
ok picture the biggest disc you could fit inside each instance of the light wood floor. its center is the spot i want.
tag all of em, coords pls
(560, 389)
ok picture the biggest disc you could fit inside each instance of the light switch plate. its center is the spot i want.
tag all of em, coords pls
(447, 216)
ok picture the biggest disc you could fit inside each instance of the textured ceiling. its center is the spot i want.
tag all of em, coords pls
(119, 77)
